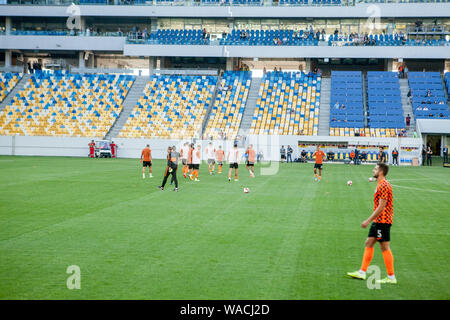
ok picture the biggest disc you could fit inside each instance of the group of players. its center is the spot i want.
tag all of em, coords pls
(191, 158)
(380, 220)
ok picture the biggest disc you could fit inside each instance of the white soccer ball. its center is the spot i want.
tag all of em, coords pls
(349, 183)
(372, 179)
(246, 190)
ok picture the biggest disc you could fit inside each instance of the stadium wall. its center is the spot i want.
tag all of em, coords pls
(131, 148)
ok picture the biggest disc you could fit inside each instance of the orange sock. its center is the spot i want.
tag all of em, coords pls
(389, 262)
(368, 255)
(320, 177)
(196, 174)
(315, 175)
(235, 176)
(220, 168)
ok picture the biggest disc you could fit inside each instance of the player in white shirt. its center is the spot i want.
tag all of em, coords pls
(196, 159)
(211, 155)
(184, 157)
(233, 159)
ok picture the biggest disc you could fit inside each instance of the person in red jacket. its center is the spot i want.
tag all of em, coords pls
(113, 149)
(91, 149)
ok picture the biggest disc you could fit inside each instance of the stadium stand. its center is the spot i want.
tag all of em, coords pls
(385, 111)
(171, 107)
(226, 114)
(381, 40)
(64, 104)
(8, 81)
(288, 103)
(428, 95)
(346, 103)
(177, 36)
(270, 38)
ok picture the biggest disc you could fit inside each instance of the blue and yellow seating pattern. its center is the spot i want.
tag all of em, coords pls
(171, 107)
(288, 104)
(64, 104)
(8, 81)
(226, 114)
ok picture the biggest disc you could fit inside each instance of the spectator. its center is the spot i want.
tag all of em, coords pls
(283, 154)
(428, 94)
(445, 153)
(424, 154)
(400, 71)
(415, 134)
(289, 153)
(119, 32)
(405, 75)
(264, 71)
(429, 154)
(303, 155)
(336, 105)
(356, 156)
(408, 120)
(260, 156)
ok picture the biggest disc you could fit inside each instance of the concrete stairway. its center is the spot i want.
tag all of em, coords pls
(130, 102)
(213, 101)
(407, 107)
(365, 88)
(324, 112)
(19, 86)
(250, 106)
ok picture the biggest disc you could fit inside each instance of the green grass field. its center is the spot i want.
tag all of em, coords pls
(289, 238)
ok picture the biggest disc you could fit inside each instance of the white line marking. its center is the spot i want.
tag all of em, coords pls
(430, 190)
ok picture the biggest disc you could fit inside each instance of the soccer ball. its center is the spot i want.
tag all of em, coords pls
(349, 183)
(372, 179)
(246, 190)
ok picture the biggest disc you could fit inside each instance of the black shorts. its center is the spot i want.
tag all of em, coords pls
(147, 164)
(283, 156)
(195, 166)
(317, 166)
(250, 164)
(380, 231)
(234, 165)
(190, 166)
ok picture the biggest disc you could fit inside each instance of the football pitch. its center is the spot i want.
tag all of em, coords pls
(289, 238)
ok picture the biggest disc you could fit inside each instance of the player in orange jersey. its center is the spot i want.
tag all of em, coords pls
(250, 160)
(318, 154)
(380, 229)
(189, 161)
(146, 160)
(220, 154)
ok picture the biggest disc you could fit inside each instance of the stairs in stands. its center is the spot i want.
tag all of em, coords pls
(19, 86)
(324, 112)
(365, 87)
(250, 106)
(129, 103)
(213, 101)
(407, 107)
